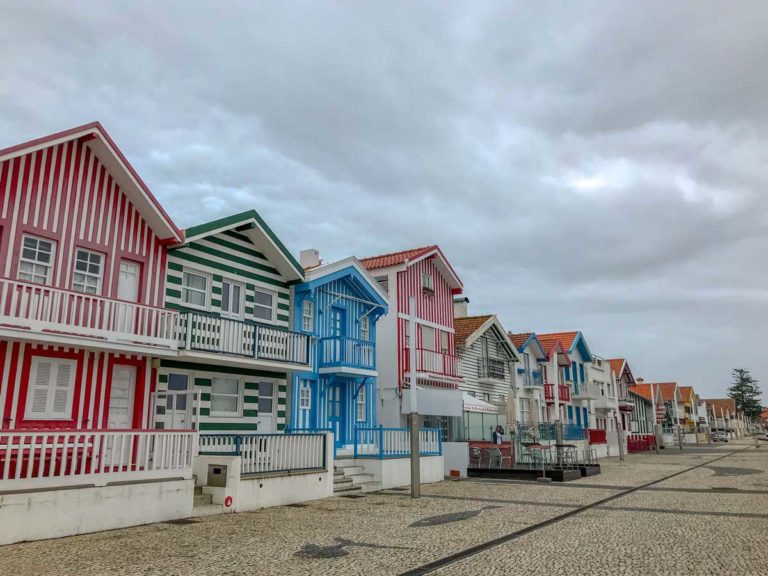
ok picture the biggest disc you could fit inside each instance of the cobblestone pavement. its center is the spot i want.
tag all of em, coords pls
(710, 520)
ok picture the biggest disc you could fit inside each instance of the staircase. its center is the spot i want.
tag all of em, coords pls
(203, 505)
(349, 479)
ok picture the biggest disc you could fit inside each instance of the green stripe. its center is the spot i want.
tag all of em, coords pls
(232, 257)
(281, 401)
(251, 385)
(205, 411)
(203, 382)
(221, 369)
(205, 397)
(173, 279)
(250, 413)
(282, 306)
(283, 317)
(171, 293)
(160, 410)
(175, 266)
(250, 399)
(281, 413)
(162, 378)
(232, 246)
(215, 289)
(159, 425)
(215, 303)
(230, 269)
(228, 426)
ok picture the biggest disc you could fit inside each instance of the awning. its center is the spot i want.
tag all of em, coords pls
(434, 401)
(472, 404)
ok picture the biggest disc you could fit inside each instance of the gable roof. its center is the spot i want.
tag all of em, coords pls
(467, 326)
(528, 339)
(726, 404)
(253, 226)
(686, 393)
(348, 267)
(646, 391)
(570, 341)
(646, 396)
(520, 339)
(668, 390)
(551, 343)
(96, 138)
(413, 255)
(619, 366)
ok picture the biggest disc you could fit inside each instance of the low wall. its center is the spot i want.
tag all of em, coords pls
(455, 457)
(56, 513)
(394, 472)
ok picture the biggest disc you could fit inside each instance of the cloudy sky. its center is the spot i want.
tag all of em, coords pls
(596, 166)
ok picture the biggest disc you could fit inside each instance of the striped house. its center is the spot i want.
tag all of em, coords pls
(425, 275)
(230, 282)
(339, 304)
(82, 253)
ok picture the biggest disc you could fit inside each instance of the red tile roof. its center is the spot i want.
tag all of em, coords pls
(519, 339)
(643, 390)
(565, 338)
(467, 326)
(667, 390)
(394, 258)
(686, 393)
(727, 404)
(616, 366)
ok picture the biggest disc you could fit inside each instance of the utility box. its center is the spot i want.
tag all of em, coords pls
(217, 475)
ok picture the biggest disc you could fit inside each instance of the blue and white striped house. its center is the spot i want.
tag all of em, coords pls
(338, 304)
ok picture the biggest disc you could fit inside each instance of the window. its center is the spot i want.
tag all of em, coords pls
(263, 305)
(444, 342)
(36, 260)
(427, 338)
(501, 350)
(427, 284)
(365, 328)
(194, 289)
(51, 389)
(177, 383)
(486, 397)
(525, 410)
(231, 298)
(87, 275)
(305, 398)
(360, 405)
(383, 282)
(266, 397)
(225, 396)
(307, 315)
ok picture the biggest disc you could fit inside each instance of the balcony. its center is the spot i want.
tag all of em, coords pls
(531, 380)
(564, 392)
(198, 332)
(491, 369)
(52, 313)
(339, 354)
(431, 363)
(605, 403)
(585, 391)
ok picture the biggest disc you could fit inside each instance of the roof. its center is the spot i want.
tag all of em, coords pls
(350, 269)
(645, 396)
(645, 391)
(569, 341)
(667, 390)
(726, 404)
(520, 339)
(408, 257)
(686, 393)
(98, 140)
(552, 343)
(467, 326)
(764, 413)
(252, 225)
(617, 365)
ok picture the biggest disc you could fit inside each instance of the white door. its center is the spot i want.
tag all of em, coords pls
(305, 404)
(121, 397)
(178, 403)
(127, 290)
(266, 418)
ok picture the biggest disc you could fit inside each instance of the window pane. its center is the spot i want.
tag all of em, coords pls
(262, 313)
(263, 298)
(224, 404)
(235, 299)
(225, 297)
(266, 389)
(194, 281)
(224, 386)
(196, 298)
(265, 405)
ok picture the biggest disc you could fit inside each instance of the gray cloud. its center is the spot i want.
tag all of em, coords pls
(585, 165)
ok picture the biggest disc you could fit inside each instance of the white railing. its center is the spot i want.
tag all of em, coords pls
(208, 333)
(269, 453)
(38, 307)
(53, 458)
(395, 442)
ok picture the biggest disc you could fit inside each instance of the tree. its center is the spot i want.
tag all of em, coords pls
(745, 391)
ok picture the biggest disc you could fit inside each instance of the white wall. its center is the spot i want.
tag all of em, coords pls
(57, 513)
(394, 472)
(455, 457)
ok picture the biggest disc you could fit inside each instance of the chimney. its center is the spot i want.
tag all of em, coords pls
(309, 258)
(640, 380)
(460, 306)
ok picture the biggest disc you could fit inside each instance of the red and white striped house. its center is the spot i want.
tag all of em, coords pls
(82, 285)
(425, 274)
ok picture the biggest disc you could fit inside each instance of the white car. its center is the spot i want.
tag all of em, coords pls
(719, 436)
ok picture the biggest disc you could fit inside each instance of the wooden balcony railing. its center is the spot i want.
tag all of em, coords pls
(41, 308)
(564, 392)
(343, 352)
(433, 362)
(491, 369)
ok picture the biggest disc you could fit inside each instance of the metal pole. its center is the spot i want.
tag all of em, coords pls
(620, 436)
(414, 408)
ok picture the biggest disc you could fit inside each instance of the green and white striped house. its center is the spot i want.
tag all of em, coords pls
(230, 281)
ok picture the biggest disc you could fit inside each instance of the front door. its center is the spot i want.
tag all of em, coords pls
(338, 329)
(177, 403)
(266, 414)
(305, 404)
(118, 448)
(336, 410)
(128, 291)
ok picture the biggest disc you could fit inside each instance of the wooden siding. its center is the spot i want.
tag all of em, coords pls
(93, 376)
(65, 194)
(470, 363)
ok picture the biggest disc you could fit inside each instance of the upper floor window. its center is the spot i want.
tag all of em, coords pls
(51, 389)
(88, 271)
(194, 289)
(36, 260)
(383, 282)
(427, 338)
(427, 283)
(231, 298)
(365, 328)
(307, 315)
(305, 398)
(264, 305)
(444, 342)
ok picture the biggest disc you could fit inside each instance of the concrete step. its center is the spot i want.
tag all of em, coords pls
(352, 470)
(198, 490)
(208, 510)
(361, 478)
(202, 499)
(338, 464)
(368, 487)
(342, 480)
(346, 488)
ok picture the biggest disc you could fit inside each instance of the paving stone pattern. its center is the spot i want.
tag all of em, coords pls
(700, 522)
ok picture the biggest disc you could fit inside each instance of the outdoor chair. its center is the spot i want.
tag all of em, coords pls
(497, 459)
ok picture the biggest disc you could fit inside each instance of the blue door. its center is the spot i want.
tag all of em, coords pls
(336, 411)
(338, 329)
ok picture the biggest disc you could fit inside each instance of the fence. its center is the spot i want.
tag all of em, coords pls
(640, 443)
(269, 453)
(395, 442)
(530, 456)
(597, 436)
(57, 458)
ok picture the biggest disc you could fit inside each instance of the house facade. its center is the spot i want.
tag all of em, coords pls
(425, 275)
(230, 282)
(531, 378)
(338, 305)
(623, 380)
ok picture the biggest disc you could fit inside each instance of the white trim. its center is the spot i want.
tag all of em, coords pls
(330, 268)
(348, 370)
(99, 277)
(404, 316)
(207, 291)
(238, 413)
(241, 301)
(274, 308)
(49, 413)
(52, 258)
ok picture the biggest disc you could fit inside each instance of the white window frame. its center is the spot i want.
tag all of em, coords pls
(48, 266)
(99, 277)
(305, 398)
(360, 405)
(307, 315)
(49, 414)
(365, 328)
(241, 300)
(273, 397)
(272, 308)
(525, 410)
(238, 395)
(185, 288)
(429, 330)
(445, 343)
(427, 283)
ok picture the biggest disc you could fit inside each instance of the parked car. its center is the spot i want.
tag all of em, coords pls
(719, 436)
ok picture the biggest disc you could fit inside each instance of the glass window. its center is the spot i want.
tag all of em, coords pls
(365, 328)
(305, 398)
(360, 405)
(231, 298)
(177, 383)
(427, 283)
(307, 315)
(87, 275)
(51, 389)
(194, 289)
(427, 338)
(263, 305)
(266, 397)
(36, 260)
(225, 396)
(383, 282)
(525, 410)
(444, 342)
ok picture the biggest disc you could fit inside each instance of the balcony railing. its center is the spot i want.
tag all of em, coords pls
(433, 362)
(491, 369)
(32, 459)
(41, 308)
(597, 436)
(205, 333)
(585, 391)
(531, 379)
(343, 352)
(564, 392)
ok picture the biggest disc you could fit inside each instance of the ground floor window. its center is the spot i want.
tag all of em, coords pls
(360, 405)
(266, 397)
(51, 389)
(225, 397)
